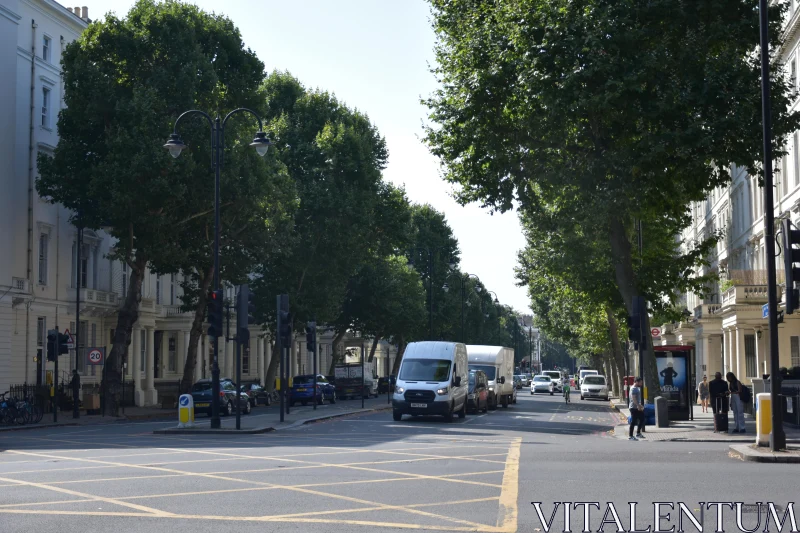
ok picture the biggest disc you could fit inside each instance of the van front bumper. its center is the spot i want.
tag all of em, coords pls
(432, 408)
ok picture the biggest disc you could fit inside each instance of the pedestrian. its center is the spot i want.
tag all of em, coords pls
(702, 392)
(636, 406)
(718, 394)
(735, 389)
(76, 388)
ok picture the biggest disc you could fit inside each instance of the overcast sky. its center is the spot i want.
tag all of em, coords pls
(375, 56)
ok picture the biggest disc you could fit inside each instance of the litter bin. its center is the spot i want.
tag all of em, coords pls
(650, 414)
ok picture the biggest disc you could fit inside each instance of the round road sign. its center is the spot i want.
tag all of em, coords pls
(655, 332)
(95, 356)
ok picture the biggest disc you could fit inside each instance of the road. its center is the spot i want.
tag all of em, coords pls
(368, 473)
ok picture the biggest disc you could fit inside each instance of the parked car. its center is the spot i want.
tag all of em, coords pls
(542, 384)
(523, 380)
(201, 396)
(257, 394)
(517, 382)
(478, 392)
(303, 390)
(594, 386)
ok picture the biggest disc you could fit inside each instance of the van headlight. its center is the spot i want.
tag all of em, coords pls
(471, 396)
(399, 390)
(443, 391)
(491, 388)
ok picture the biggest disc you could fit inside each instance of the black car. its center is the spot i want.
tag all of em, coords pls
(478, 394)
(258, 395)
(201, 395)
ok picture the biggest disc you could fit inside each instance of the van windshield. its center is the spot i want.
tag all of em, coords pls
(425, 370)
(489, 370)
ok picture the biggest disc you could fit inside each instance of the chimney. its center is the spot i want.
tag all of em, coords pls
(69, 9)
(77, 11)
(85, 13)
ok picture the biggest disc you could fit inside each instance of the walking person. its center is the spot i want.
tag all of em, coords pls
(636, 406)
(702, 392)
(75, 383)
(718, 394)
(735, 389)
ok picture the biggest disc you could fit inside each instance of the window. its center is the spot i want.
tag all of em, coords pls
(45, 107)
(172, 363)
(46, 48)
(143, 349)
(84, 268)
(158, 289)
(124, 279)
(43, 238)
(245, 359)
(795, 351)
(751, 369)
(41, 330)
(172, 289)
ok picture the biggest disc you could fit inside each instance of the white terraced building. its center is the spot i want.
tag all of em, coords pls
(728, 328)
(38, 285)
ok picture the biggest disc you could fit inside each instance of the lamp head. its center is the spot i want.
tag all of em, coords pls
(261, 143)
(446, 287)
(174, 145)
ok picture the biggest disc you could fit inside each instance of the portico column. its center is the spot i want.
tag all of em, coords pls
(198, 359)
(151, 397)
(230, 356)
(136, 373)
(758, 368)
(260, 358)
(184, 353)
(739, 353)
(267, 359)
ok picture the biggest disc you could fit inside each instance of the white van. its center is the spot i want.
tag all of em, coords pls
(557, 377)
(498, 364)
(585, 372)
(433, 380)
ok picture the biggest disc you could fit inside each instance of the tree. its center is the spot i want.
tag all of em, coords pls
(595, 114)
(125, 80)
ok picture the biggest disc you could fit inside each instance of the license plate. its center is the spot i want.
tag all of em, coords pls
(301, 390)
(419, 405)
(349, 390)
(201, 405)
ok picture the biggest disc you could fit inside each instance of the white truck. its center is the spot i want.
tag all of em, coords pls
(498, 364)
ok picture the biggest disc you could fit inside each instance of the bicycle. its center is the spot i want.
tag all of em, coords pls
(9, 411)
(566, 394)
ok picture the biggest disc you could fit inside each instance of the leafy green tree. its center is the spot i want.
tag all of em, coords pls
(125, 80)
(595, 114)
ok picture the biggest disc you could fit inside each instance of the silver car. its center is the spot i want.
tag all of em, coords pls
(542, 384)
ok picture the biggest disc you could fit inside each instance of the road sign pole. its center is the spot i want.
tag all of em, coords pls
(55, 378)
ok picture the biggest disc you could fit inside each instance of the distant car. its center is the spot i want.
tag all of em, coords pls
(517, 382)
(201, 396)
(303, 390)
(524, 380)
(556, 377)
(542, 384)
(594, 386)
(257, 394)
(478, 394)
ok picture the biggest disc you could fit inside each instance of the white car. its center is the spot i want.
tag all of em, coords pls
(556, 377)
(594, 386)
(542, 384)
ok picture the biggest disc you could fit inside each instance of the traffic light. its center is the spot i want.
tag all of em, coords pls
(52, 341)
(63, 341)
(215, 313)
(791, 255)
(311, 337)
(635, 320)
(245, 308)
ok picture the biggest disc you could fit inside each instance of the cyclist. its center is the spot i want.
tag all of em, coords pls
(566, 392)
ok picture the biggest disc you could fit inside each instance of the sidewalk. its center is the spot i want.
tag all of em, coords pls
(701, 429)
(261, 416)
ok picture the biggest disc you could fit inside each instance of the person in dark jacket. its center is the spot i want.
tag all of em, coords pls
(718, 391)
(668, 374)
(76, 388)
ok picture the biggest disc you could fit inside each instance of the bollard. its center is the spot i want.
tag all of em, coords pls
(662, 412)
(763, 418)
(185, 411)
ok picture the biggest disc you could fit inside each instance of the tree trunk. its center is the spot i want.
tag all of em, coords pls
(626, 284)
(401, 348)
(335, 355)
(272, 369)
(374, 347)
(196, 331)
(127, 317)
(616, 351)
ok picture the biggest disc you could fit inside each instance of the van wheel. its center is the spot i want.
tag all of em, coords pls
(504, 402)
(397, 416)
(449, 416)
(463, 412)
(493, 404)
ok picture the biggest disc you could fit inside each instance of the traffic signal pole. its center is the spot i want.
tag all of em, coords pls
(778, 436)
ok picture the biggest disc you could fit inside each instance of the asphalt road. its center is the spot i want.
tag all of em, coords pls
(368, 473)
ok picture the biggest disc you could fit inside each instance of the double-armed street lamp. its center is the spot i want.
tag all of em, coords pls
(451, 264)
(175, 146)
(463, 278)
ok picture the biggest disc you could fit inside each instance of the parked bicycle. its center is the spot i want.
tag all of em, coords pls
(20, 411)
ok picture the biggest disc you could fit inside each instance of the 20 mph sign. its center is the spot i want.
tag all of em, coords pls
(95, 356)
(655, 332)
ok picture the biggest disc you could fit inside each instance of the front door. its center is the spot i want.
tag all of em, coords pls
(157, 354)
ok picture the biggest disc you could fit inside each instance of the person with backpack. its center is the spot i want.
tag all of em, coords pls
(735, 388)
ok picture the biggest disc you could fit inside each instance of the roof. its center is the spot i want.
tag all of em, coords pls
(481, 350)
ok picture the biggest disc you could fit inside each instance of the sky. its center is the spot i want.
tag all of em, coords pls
(374, 55)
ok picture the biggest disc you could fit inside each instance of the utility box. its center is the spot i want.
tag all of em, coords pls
(91, 402)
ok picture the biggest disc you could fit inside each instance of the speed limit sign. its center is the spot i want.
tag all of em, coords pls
(95, 356)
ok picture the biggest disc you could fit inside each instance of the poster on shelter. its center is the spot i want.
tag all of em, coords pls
(672, 376)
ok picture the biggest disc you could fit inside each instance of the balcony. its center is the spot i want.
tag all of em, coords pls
(97, 303)
(745, 295)
(169, 311)
(705, 311)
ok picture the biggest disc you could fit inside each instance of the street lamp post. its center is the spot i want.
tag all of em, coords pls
(462, 278)
(175, 145)
(451, 264)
